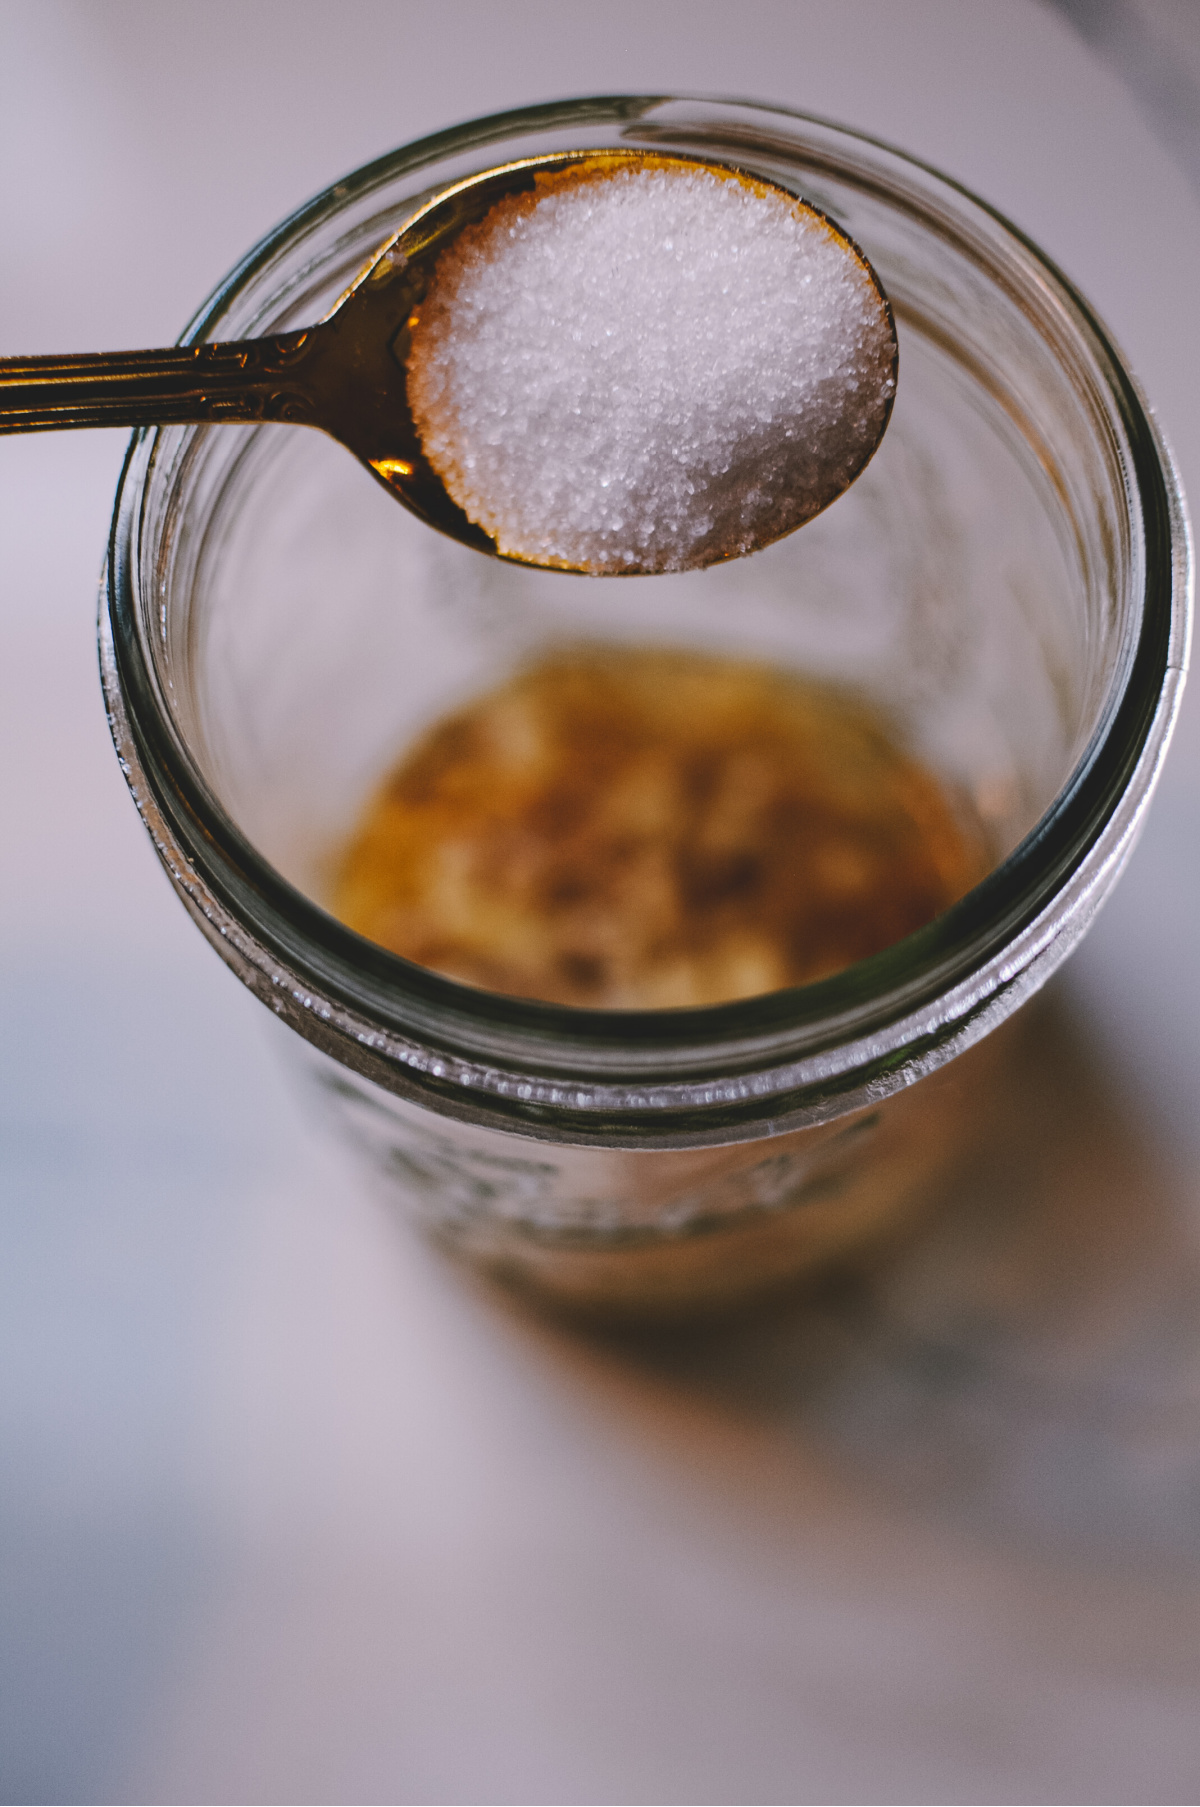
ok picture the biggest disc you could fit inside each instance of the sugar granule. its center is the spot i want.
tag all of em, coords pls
(648, 369)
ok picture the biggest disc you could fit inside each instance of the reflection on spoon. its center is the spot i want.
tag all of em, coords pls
(609, 361)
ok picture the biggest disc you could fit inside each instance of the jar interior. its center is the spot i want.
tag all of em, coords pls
(970, 584)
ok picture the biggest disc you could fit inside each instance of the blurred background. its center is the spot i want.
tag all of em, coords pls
(289, 1510)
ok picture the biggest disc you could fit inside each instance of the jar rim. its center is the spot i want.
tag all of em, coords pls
(700, 1074)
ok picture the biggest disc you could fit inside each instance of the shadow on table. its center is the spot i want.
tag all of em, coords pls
(1032, 1363)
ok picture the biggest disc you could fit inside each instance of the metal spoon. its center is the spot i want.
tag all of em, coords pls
(347, 374)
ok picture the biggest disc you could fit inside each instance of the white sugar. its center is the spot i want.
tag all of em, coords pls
(651, 368)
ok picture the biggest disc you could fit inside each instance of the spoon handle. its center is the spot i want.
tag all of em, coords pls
(243, 380)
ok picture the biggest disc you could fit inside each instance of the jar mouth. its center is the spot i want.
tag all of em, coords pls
(793, 1054)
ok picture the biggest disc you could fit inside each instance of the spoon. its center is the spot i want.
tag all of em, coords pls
(348, 374)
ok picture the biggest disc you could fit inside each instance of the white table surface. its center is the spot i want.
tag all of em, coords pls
(289, 1511)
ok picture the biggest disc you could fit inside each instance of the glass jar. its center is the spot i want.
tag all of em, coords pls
(1008, 582)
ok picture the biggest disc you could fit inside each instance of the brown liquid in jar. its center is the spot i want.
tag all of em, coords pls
(641, 829)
